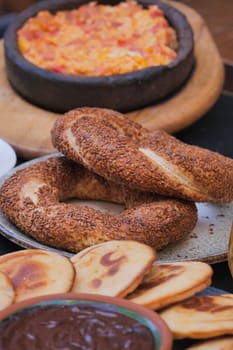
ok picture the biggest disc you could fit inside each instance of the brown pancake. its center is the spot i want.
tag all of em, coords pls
(167, 283)
(113, 268)
(7, 293)
(224, 343)
(201, 316)
(35, 272)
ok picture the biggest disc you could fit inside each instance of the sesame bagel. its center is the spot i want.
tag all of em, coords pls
(117, 148)
(33, 199)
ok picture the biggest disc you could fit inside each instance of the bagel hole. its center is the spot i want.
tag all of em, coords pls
(103, 206)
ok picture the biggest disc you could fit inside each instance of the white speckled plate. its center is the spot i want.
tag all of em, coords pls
(209, 239)
(207, 242)
(7, 157)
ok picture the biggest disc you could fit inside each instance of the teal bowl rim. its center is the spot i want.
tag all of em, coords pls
(161, 333)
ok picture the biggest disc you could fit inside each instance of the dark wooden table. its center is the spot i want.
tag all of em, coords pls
(213, 131)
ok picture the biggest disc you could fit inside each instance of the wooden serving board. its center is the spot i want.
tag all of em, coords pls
(27, 127)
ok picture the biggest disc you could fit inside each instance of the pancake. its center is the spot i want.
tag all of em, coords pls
(167, 283)
(7, 293)
(36, 272)
(201, 317)
(113, 268)
(225, 343)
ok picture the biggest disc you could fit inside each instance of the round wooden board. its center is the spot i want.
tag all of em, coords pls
(27, 127)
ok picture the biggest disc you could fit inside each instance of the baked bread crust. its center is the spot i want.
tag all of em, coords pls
(121, 150)
(33, 199)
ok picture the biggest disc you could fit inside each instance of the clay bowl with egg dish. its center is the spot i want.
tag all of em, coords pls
(75, 321)
(99, 58)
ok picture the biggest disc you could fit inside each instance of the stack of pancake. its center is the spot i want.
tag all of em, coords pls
(126, 269)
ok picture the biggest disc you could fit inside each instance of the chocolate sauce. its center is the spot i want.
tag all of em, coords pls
(73, 327)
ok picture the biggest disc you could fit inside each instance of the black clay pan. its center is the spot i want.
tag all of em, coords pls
(124, 92)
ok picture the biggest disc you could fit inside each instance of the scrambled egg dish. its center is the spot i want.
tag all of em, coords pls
(99, 40)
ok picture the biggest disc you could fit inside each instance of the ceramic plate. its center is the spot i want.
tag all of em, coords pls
(7, 157)
(207, 242)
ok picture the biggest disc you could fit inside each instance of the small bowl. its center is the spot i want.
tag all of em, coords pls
(122, 92)
(97, 307)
